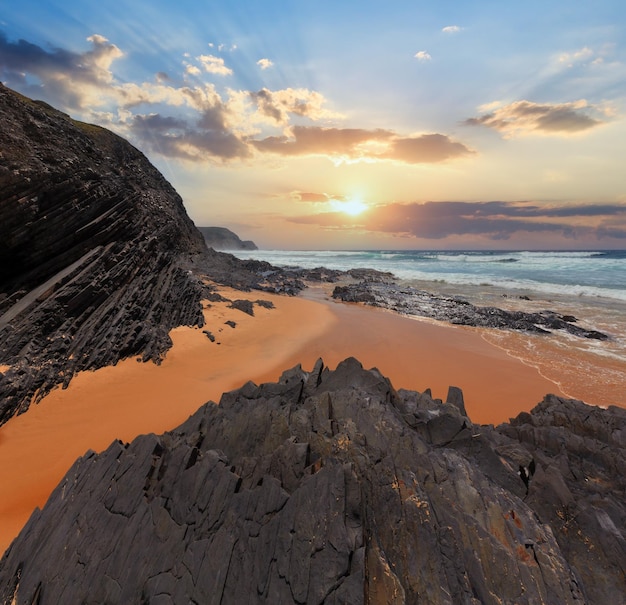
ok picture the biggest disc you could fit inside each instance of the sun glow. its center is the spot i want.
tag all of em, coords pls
(352, 206)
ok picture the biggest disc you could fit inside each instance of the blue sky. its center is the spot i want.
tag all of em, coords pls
(353, 124)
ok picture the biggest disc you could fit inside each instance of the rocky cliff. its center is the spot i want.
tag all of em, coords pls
(332, 487)
(220, 238)
(98, 258)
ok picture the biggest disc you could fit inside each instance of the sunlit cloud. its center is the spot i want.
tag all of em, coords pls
(526, 117)
(264, 63)
(361, 144)
(214, 65)
(278, 105)
(200, 123)
(192, 70)
(489, 220)
(309, 196)
(451, 29)
(422, 55)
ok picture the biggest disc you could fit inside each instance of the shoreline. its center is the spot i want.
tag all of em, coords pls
(122, 401)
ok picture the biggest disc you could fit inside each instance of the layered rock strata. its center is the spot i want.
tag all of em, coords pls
(95, 252)
(332, 487)
(98, 258)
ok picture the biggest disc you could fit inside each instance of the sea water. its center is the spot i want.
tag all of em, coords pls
(590, 285)
(591, 274)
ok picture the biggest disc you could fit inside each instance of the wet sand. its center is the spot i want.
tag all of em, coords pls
(131, 398)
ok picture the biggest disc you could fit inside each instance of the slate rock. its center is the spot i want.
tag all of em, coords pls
(332, 487)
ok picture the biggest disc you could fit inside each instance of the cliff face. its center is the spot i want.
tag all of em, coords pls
(95, 252)
(331, 487)
(220, 238)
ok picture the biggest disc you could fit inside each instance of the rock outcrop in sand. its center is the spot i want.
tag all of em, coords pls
(331, 487)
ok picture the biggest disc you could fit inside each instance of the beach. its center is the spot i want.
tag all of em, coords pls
(131, 398)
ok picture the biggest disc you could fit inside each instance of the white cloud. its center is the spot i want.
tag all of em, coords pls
(451, 29)
(422, 55)
(192, 70)
(264, 63)
(214, 65)
(576, 57)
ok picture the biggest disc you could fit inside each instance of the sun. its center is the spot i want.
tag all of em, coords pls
(353, 206)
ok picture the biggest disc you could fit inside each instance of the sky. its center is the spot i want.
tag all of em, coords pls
(353, 125)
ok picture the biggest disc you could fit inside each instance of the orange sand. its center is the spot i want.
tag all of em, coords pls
(38, 447)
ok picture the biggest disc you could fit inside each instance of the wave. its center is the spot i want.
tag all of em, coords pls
(525, 285)
(590, 273)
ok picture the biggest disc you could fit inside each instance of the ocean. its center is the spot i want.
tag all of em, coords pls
(590, 285)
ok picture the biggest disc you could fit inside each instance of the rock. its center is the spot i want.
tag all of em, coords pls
(332, 487)
(247, 306)
(98, 258)
(220, 238)
(95, 252)
(410, 301)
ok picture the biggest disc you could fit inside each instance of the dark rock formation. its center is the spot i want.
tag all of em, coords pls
(220, 238)
(95, 252)
(410, 301)
(331, 487)
(98, 258)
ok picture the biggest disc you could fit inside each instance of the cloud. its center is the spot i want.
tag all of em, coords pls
(577, 56)
(451, 29)
(198, 122)
(278, 105)
(422, 55)
(489, 220)
(354, 144)
(302, 196)
(264, 63)
(192, 70)
(214, 65)
(92, 66)
(425, 149)
(173, 137)
(526, 117)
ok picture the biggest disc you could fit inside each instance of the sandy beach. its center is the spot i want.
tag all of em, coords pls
(120, 402)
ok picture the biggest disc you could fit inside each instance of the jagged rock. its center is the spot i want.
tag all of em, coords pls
(410, 301)
(220, 238)
(332, 487)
